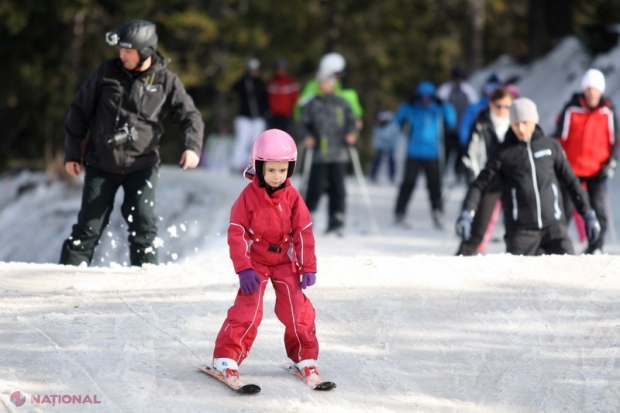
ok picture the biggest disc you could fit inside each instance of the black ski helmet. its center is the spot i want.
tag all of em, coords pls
(136, 34)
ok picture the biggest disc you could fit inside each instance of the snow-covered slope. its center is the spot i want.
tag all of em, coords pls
(496, 334)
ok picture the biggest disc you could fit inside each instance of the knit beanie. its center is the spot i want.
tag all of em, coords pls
(593, 78)
(523, 109)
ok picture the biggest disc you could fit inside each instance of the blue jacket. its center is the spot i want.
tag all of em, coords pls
(385, 136)
(469, 118)
(426, 127)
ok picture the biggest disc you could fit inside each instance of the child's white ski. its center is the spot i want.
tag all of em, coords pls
(236, 385)
(322, 385)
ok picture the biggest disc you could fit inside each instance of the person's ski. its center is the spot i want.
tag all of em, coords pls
(322, 385)
(236, 385)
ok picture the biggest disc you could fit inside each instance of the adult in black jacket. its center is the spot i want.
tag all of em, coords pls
(120, 109)
(531, 168)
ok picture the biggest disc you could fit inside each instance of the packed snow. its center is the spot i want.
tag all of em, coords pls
(404, 325)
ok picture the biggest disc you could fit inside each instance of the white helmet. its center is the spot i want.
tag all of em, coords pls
(332, 63)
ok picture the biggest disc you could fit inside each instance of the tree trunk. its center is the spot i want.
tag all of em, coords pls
(558, 20)
(537, 36)
(333, 20)
(549, 21)
(478, 16)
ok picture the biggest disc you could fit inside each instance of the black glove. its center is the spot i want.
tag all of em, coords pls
(608, 170)
(593, 227)
(463, 225)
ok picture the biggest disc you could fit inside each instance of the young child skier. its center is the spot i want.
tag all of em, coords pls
(385, 136)
(270, 238)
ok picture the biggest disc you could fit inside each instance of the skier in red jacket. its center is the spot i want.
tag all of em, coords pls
(282, 93)
(588, 132)
(270, 238)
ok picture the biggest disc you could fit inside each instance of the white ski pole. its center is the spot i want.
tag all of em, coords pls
(305, 175)
(357, 167)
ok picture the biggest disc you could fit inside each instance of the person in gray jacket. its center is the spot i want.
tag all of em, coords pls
(327, 125)
(112, 132)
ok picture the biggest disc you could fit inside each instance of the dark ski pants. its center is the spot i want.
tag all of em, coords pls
(480, 223)
(433, 184)
(596, 193)
(552, 240)
(452, 149)
(376, 163)
(280, 122)
(328, 175)
(98, 194)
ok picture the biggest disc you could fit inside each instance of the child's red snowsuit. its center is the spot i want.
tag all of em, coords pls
(272, 235)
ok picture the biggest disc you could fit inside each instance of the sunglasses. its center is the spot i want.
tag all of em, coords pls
(498, 106)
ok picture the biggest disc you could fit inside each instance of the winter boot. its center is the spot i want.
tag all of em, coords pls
(400, 221)
(310, 371)
(338, 231)
(228, 368)
(592, 250)
(438, 219)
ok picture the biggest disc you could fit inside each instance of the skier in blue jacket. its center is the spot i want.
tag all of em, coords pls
(427, 118)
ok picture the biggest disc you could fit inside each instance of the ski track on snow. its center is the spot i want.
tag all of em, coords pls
(64, 355)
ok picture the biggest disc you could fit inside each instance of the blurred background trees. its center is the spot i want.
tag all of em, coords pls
(48, 48)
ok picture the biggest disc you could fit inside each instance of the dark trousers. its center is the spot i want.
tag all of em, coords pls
(550, 240)
(280, 122)
(331, 176)
(433, 184)
(596, 193)
(453, 154)
(480, 223)
(376, 163)
(97, 203)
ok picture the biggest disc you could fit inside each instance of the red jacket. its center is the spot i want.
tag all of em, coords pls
(271, 230)
(282, 93)
(589, 136)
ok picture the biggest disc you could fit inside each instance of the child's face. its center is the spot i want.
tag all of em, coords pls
(327, 86)
(523, 129)
(275, 173)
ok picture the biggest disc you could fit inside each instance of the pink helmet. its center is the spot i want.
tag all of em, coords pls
(274, 145)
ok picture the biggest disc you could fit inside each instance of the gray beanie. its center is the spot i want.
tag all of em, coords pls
(523, 109)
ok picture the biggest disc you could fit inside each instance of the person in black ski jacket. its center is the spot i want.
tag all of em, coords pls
(531, 167)
(112, 131)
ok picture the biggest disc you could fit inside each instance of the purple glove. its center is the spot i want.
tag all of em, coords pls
(307, 279)
(249, 281)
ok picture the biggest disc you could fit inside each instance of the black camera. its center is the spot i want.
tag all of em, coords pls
(121, 137)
